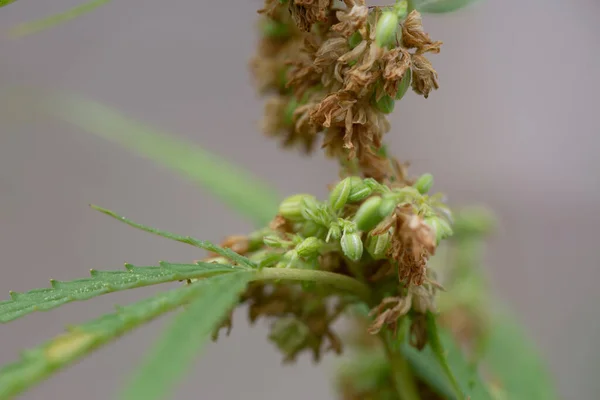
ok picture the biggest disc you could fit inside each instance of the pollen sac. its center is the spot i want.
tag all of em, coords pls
(368, 214)
(291, 208)
(385, 104)
(387, 26)
(352, 245)
(309, 247)
(359, 190)
(378, 245)
(424, 183)
(404, 84)
(340, 193)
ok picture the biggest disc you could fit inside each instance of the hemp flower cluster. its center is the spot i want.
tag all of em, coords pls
(338, 71)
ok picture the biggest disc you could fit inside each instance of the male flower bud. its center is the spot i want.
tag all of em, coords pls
(388, 204)
(274, 241)
(310, 208)
(368, 214)
(378, 245)
(385, 32)
(335, 232)
(352, 245)
(309, 247)
(385, 104)
(440, 227)
(339, 195)
(404, 84)
(359, 190)
(311, 228)
(291, 207)
(424, 183)
(355, 39)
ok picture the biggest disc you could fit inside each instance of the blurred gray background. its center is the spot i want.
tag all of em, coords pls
(513, 126)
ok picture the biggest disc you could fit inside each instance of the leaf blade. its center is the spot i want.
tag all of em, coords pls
(103, 282)
(185, 337)
(234, 186)
(227, 253)
(508, 346)
(426, 365)
(32, 27)
(441, 6)
(4, 3)
(39, 363)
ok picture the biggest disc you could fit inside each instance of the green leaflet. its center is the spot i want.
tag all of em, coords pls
(6, 2)
(39, 363)
(102, 282)
(29, 28)
(514, 361)
(426, 364)
(234, 186)
(227, 253)
(170, 358)
(440, 6)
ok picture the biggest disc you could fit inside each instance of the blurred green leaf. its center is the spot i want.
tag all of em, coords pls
(426, 365)
(440, 6)
(39, 363)
(514, 361)
(29, 28)
(183, 339)
(6, 2)
(234, 186)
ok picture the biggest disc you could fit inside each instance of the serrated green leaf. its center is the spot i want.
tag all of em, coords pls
(39, 363)
(440, 6)
(102, 282)
(180, 343)
(227, 253)
(234, 186)
(514, 361)
(427, 366)
(29, 28)
(6, 2)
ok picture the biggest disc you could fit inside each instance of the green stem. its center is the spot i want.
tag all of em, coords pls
(339, 281)
(401, 373)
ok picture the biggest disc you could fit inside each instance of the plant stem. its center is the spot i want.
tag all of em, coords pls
(401, 373)
(336, 280)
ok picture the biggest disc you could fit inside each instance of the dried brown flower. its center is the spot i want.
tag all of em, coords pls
(424, 77)
(306, 12)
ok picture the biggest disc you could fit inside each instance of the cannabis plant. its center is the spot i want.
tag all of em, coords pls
(382, 250)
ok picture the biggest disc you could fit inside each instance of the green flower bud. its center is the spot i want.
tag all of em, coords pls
(424, 183)
(359, 190)
(440, 227)
(265, 258)
(385, 104)
(352, 245)
(309, 247)
(368, 214)
(310, 208)
(339, 194)
(387, 206)
(401, 9)
(291, 208)
(355, 39)
(378, 245)
(404, 84)
(311, 228)
(274, 241)
(335, 232)
(385, 32)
